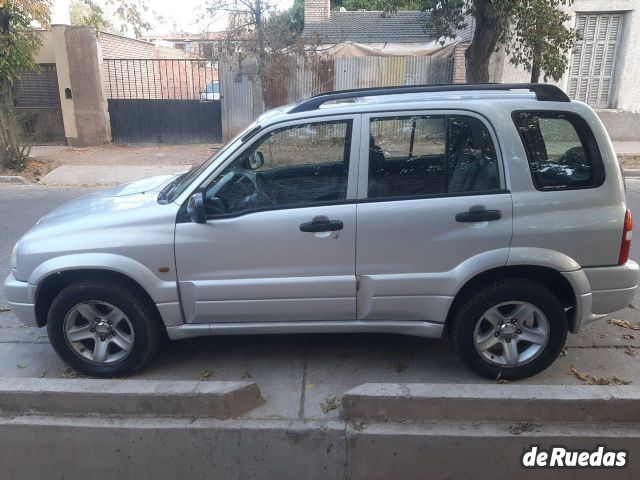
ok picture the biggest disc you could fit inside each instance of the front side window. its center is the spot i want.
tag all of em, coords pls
(413, 156)
(561, 150)
(297, 166)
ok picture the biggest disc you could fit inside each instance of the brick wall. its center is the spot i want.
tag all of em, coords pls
(139, 69)
(316, 11)
(116, 46)
(459, 68)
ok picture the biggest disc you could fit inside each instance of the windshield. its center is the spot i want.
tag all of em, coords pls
(175, 188)
(213, 87)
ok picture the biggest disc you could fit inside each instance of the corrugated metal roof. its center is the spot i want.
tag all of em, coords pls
(372, 27)
(379, 27)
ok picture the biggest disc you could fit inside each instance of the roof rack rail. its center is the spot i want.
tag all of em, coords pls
(543, 91)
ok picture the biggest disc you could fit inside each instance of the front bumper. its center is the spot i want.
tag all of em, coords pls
(20, 300)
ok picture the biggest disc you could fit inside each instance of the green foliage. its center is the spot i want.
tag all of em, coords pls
(87, 12)
(541, 41)
(283, 28)
(532, 31)
(130, 15)
(19, 46)
(377, 5)
(123, 17)
(19, 43)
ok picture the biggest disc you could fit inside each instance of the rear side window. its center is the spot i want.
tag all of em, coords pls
(414, 156)
(561, 150)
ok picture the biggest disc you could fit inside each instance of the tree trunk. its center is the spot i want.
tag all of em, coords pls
(485, 39)
(535, 70)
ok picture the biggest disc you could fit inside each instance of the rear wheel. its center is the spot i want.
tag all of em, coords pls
(103, 329)
(513, 328)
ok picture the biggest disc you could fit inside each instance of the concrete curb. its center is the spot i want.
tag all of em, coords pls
(14, 180)
(99, 448)
(632, 172)
(127, 397)
(491, 403)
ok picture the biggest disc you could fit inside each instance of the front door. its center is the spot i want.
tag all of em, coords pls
(279, 240)
(432, 198)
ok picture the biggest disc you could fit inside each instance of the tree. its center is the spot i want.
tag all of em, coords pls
(121, 16)
(533, 31)
(256, 28)
(88, 12)
(19, 46)
(541, 40)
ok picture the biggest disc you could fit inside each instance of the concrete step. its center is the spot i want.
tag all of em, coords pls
(127, 397)
(489, 403)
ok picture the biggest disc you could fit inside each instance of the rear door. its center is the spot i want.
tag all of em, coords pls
(432, 196)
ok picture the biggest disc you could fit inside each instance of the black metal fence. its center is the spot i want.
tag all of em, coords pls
(163, 100)
(38, 88)
(37, 99)
(164, 79)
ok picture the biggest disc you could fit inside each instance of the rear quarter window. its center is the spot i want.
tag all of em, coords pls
(561, 150)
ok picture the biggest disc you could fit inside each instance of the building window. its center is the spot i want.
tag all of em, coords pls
(593, 58)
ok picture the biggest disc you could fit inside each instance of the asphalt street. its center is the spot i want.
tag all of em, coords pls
(297, 373)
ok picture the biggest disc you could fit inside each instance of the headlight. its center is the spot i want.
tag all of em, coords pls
(14, 257)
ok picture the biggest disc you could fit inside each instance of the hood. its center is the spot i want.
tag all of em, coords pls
(146, 184)
(112, 201)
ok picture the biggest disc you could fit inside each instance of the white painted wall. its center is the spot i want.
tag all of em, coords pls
(626, 87)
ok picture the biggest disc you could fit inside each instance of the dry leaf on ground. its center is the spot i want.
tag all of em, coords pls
(358, 425)
(5, 309)
(68, 372)
(593, 380)
(204, 375)
(624, 323)
(330, 403)
(400, 366)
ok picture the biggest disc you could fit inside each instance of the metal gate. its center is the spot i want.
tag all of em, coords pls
(163, 101)
(37, 101)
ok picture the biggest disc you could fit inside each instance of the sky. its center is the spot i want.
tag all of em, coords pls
(179, 15)
(185, 13)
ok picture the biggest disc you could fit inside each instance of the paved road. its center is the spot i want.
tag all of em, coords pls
(298, 372)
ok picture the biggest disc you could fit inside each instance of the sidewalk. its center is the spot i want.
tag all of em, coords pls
(113, 164)
(115, 154)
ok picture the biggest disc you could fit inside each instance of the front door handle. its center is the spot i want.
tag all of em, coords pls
(323, 225)
(483, 215)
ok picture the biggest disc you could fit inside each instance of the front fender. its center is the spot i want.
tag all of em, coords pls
(161, 290)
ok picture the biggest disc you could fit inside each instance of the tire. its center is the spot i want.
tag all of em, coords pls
(487, 346)
(120, 347)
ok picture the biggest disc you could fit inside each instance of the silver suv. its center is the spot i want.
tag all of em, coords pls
(495, 213)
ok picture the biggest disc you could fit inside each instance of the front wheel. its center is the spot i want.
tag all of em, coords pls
(512, 328)
(103, 329)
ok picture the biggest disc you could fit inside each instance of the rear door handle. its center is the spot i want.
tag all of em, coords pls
(322, 226)
(473, 216)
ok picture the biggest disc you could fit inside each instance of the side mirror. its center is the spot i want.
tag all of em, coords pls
(195, 208)
(256, 160)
